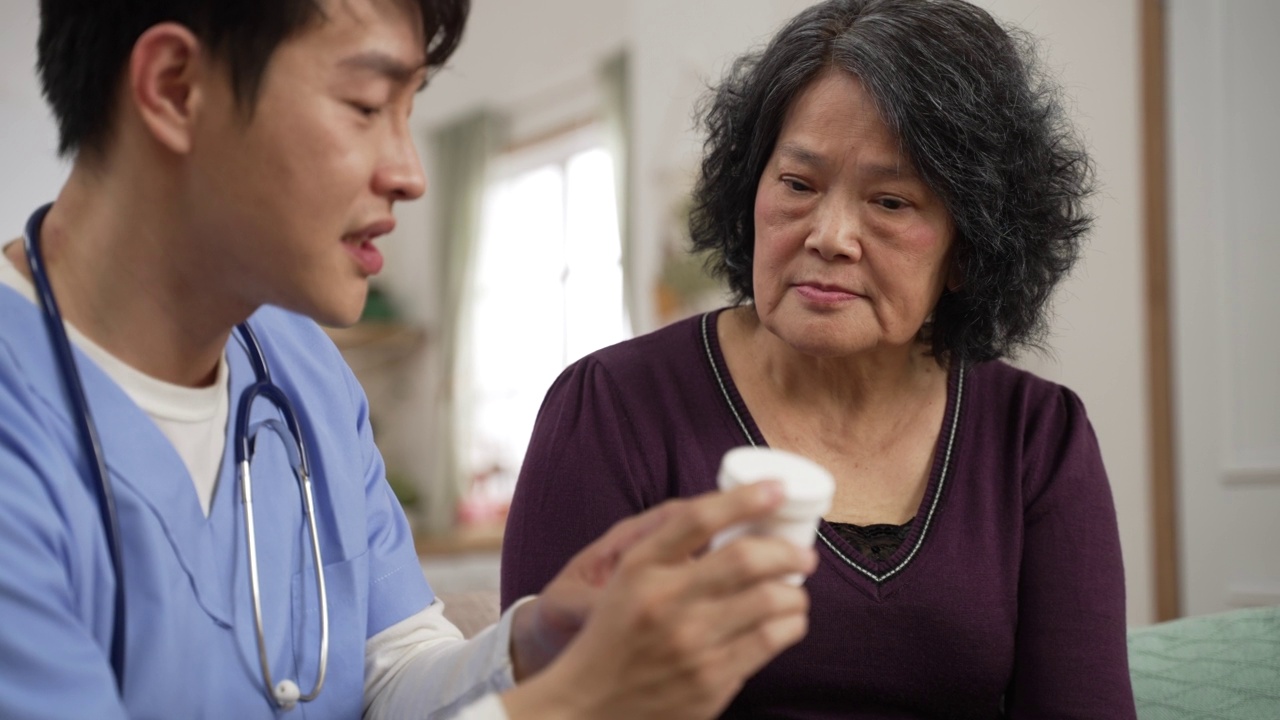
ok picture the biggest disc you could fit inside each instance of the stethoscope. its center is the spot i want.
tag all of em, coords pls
(286, 694)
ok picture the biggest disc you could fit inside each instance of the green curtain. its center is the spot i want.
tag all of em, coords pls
(462, 151)
(615, 84)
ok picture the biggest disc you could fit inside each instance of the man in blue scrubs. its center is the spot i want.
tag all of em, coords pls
(235, 160)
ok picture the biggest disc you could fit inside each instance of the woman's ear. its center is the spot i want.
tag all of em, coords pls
(167, 70)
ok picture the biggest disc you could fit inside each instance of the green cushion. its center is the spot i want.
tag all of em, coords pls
(1223, 666)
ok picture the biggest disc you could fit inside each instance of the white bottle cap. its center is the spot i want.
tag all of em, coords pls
(807, 485)
(808, 488)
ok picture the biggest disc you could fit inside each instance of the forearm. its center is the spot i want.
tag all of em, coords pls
(430, 671)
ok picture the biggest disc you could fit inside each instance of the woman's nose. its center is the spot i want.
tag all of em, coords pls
(837, 233)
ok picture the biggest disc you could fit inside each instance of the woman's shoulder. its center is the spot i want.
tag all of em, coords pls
(1040, 423)
(1005, 386)
(659, 378)
(1010, 402)
(668, 351)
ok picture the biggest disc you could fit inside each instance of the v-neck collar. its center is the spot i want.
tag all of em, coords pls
(877, 572)
(139, 457)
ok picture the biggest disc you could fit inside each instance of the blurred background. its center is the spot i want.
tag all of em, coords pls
(560, 149)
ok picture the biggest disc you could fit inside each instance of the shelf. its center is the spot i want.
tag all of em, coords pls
(382, 336)
(371, 345)
(464, 540)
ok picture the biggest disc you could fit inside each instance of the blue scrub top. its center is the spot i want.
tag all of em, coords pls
(191, 650)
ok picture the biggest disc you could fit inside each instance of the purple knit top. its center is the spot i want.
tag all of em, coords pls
(1005, 598)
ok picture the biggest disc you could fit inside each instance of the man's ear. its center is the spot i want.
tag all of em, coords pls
(167, 74)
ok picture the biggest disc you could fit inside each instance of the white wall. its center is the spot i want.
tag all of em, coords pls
(1225, 255)
(30, 173)
(521, 56)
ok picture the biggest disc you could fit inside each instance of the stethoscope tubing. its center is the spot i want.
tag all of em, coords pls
(286, 694)
(85, 428)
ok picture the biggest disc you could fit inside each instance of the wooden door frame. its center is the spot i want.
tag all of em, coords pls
(1158, 293)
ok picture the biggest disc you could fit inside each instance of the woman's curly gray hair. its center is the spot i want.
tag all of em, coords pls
(973, 112)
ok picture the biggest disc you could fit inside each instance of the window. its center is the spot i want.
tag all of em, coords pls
(548, 290)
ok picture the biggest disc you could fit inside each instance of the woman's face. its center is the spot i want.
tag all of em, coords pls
(852, 248)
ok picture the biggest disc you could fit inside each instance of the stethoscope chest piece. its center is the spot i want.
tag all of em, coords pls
(287, 693)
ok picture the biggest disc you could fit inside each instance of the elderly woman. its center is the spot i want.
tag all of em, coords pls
(892, 192)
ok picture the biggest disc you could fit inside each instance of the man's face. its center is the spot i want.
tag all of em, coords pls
(287, 203)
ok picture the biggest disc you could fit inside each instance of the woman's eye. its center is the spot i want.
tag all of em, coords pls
(365, 110)
(892, 203)
(795, 185)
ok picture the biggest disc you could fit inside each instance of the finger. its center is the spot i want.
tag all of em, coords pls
(747, 612)
(600, 558)
(628, 532)
(745, 654)
(749, 560)
(690, 524)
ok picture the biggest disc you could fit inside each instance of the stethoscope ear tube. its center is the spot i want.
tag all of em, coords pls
(85, 427)
(276, 396)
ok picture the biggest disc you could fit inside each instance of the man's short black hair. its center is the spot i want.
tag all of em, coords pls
(84, 46)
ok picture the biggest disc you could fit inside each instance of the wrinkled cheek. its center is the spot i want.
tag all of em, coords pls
(763, 275)
(759, 291)
(904, 321)
(775, 252)
(779, 237)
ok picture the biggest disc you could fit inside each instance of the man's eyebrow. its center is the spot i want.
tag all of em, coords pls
(388, 66)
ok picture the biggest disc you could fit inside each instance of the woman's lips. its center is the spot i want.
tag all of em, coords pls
(825, 294)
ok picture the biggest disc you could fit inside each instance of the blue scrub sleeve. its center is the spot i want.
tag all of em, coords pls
(397, 587)
(52, 665)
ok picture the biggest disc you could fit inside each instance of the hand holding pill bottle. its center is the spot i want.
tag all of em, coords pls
(808, 488)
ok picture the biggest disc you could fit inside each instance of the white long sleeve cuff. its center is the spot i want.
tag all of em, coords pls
(421, 667)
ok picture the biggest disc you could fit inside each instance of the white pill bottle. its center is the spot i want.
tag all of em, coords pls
(808, 488)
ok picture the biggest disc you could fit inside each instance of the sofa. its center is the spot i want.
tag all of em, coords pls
(1224, 666)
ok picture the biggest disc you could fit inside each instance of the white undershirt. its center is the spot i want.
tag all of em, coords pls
(194, 420)
(419, 665)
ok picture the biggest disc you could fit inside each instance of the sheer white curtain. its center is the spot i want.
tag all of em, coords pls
(615, 85)
(462, 151)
